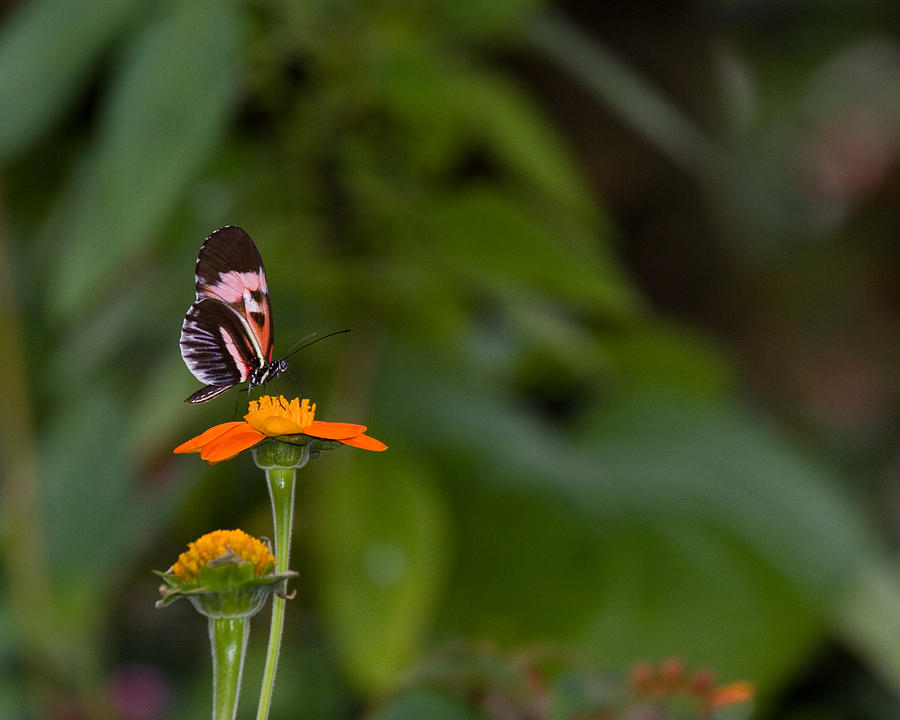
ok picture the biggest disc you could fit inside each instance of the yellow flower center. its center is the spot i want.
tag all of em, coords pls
(278, 416)
(217, 543)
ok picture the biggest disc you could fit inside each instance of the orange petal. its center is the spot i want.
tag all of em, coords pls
(196, 444)
(365, 442)
(231, 443)
(333, 430)
(736, 692)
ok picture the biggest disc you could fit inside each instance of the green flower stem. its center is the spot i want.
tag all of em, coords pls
(228, 642)
(280, 461)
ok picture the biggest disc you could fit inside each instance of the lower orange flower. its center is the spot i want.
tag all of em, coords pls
(736, 692)
(274, 417)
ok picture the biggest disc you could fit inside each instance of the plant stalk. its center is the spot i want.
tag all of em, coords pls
(281, 482)
(228, 643)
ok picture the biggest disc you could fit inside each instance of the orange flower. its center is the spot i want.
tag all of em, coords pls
(736, 692)
(274, 417)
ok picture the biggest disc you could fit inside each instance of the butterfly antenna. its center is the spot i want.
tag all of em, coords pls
(296, 349)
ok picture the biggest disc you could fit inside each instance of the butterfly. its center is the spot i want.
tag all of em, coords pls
(227, 335)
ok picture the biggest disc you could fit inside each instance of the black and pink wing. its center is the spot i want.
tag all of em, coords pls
(230, 269)
(227, 332)
(216, 347)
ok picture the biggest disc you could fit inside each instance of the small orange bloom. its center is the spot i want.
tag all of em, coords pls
(731, 694)
(273, 417)
(215, 544)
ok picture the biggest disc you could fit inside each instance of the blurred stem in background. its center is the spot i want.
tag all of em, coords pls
(21, 527)
(639, 105)
(55, 655)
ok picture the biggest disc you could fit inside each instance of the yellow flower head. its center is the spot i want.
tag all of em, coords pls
(277, 416)
(215, 544)
(224, 574)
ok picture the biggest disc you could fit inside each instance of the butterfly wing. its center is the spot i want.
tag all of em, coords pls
(217, 347)
(230, 270)
(227, 333)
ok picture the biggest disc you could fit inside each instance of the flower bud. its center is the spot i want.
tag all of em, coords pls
(225, 574)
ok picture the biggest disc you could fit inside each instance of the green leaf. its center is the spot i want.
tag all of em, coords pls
(520, 137)
(690, 589)
(96, 513)
(12, 696)
(525, 567)
(640, 105)
(870, 619)
(665, 529)
(414, 82)
(497, 241)
(482, 20)
(381, 545)
(448, 110)
(163, 117)
(728, 468)
(47, 51)
(670, 359)
(423, 704)
(648, 454)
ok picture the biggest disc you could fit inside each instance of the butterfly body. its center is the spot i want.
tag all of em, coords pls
(227, 336)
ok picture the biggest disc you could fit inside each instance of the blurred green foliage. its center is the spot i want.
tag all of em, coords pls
(566, 464)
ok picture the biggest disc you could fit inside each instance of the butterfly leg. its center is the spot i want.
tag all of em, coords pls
(236, 396)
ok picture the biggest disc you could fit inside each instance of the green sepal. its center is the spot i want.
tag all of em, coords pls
(274, 453)
(290, 451)
(315, 444)
(226, 587)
